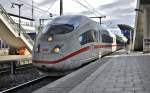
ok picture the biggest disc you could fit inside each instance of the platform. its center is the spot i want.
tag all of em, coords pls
(14, 57)
(123, 73)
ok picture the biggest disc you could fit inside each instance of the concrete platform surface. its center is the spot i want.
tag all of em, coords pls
(14, 57)
(126, 73)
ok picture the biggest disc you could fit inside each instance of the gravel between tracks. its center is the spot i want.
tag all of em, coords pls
(8, 80)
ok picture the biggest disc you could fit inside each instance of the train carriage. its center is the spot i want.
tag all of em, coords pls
(70, 41)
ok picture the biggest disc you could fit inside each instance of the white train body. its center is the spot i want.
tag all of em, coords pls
(69, 41)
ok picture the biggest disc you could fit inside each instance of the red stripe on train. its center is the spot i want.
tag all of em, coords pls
(64, 58)
(104, 46)
(73, 54)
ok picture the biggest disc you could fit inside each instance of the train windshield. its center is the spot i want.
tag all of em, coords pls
(59, 29)
(62, 25)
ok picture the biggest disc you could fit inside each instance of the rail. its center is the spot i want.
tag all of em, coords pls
(8, 69)
(13, 62)
(24, 84)
(15, 26)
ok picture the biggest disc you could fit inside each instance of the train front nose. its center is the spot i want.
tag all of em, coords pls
(46, 57)
(50, 46)
(48, 65)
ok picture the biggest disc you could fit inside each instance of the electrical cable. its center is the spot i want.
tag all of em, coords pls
(83, 5)
(54, 1)
(33, 6)
(92, 7)
(77, 1)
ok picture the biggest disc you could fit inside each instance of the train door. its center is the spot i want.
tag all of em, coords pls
(91, 51)
(99, 37)
(93, 41)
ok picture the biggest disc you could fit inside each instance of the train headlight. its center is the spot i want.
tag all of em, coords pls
(56, 50)
(50, 39)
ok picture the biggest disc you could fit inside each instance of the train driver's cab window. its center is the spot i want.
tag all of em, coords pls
(58, 29)
(87, 37)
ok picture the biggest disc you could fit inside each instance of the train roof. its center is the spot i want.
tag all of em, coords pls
(75, 20)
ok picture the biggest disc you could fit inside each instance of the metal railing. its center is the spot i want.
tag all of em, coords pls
(15, 26)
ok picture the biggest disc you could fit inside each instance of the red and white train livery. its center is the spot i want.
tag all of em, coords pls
(69, 41)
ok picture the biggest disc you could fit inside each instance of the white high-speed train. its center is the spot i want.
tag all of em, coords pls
(69, 41)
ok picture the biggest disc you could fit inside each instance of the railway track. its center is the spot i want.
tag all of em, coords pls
(23, 67)
(31, 85)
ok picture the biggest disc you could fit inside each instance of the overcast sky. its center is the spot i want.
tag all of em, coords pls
(116, 11)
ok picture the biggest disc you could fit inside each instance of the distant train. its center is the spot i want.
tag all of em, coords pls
(69, 41)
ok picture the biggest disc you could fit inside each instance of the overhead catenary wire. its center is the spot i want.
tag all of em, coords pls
(88, 8)
(82, 5)
(30, 6)
(39, 9)
(54, 1)
(92, 7)
(33, 6)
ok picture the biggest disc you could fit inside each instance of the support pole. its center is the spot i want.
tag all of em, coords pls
(19, 20)
(61, 7)
(32, 9)
(13, 67)
(19, 6)
(100, 18)
(146, 33)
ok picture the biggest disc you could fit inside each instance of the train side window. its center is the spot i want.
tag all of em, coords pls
(87, 37)
(96, 36)
(99, 35)
(107, 39)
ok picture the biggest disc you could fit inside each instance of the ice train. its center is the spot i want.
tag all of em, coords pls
(69, 41)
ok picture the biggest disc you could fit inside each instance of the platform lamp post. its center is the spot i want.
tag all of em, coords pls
(19, 6)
